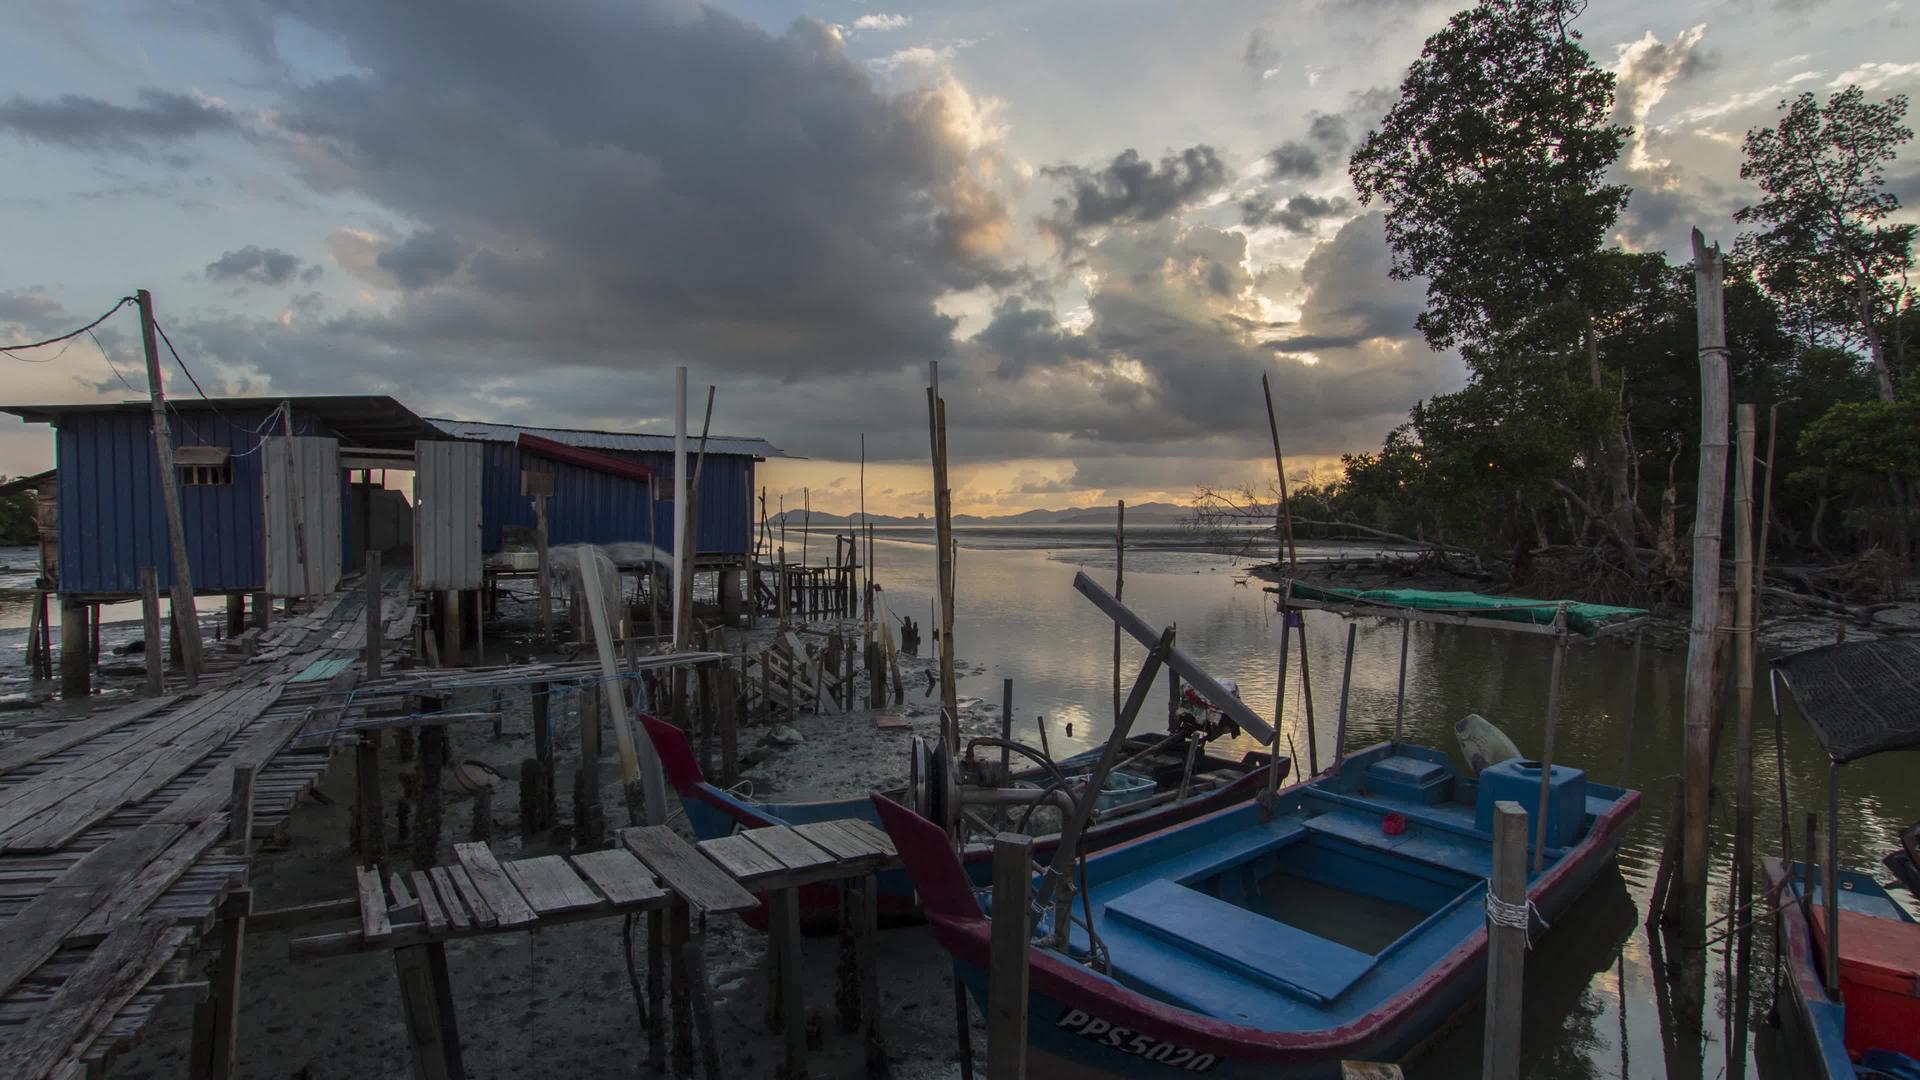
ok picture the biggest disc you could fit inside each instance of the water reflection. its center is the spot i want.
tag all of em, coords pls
(1600, 1002)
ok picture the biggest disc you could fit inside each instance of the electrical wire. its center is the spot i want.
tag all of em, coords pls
(183, 364)
(110, 363)
(9, 349)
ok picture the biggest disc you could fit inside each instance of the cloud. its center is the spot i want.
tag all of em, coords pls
(1260, 54)
(88, 123)
(1351, 301)
(881, 21)
(1297, 215)
(1644, 69)
(253, 265)
(1873, 76)
(426, 257)
(1131, 189)
(1321, 149)
(769, 211)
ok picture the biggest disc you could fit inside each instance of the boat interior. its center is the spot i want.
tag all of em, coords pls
(1356, 884)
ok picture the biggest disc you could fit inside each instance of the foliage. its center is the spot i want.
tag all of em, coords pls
(17, 519)
(1826, 249)
(1490, 170)
(1856, 446)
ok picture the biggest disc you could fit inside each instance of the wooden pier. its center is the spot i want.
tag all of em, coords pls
(118, 848)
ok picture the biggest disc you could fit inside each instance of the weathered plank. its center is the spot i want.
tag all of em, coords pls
(374, 923)
(618, 874)
(210, 794)
(505, 901)
(153, 879)
(79, 1012)
(404, 905)
(27, 939)
(742, 858)
(430, 908)
(551, 886)
(789, 847)
(483, 915)
(841, 844)
(39, 748)
(449, 898)
(686, 871)
(870, 832)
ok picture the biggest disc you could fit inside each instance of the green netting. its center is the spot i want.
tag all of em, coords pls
(1587, 619)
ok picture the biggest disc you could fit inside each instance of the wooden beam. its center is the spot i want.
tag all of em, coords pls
(186, 619)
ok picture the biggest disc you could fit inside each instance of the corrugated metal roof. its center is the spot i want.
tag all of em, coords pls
(608, 440)
(374, 420)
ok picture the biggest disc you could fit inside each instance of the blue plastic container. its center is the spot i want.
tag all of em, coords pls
(1518, 779)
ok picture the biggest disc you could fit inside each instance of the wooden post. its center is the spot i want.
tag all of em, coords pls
(184, 616)
(538, 486)
(240, 807)
(1506, 945)
(1704, 633)
(76, 668)
(452, 632)
(1346, 685)
(150, 623)
(1119, 585)
(657, 989)
(1546, 742)
(542, 696)
(216, 1021)
(1400, 693)
(261, 608)
(376, 628)
(236, 614)
(426, 997)
(1283, 520)
(429, 798)
(730, 691)
(1007, 972)
(784, 951)
(943, 533)
(681, 984)
(1743, 643)
(372, 815)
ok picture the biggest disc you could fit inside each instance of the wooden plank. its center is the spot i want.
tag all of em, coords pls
(483, 915)
(686, 872)
(430, 908)
(449, 898)
(842, 845)
(211, 793)
(32, 751)
(887, 721)
(79, 1012)
(426, 1000)
(871, 833)
(793, 851)
(621, 876)
(404, 906)
(374, 923)
(490, 881)
(742, 858)
(156, 877)
(29, 938)
(551, 886)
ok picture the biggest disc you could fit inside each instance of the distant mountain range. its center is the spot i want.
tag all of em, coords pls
(1152, 513)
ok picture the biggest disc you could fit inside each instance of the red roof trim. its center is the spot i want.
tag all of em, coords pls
(586, 459)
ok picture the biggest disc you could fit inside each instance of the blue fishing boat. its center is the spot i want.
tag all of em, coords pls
(1851, 992)
(1342, 918)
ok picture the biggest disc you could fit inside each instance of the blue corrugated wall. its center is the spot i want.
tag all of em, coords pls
(112, 521)
(590, 507)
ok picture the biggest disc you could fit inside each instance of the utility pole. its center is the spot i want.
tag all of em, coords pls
(185, 619)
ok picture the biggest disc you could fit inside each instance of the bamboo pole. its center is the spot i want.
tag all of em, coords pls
(1704, 633)
(1283, 521)
(943, 532)
(679, 491)
(1119, 585)
(1743, 628)
(1346, 684)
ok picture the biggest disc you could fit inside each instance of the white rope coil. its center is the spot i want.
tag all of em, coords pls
(1514, 916)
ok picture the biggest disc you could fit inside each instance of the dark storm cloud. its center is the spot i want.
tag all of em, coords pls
(253, 265)
(627, 185)
(424, 258)
(88, 123)
(1297, 215)
(1320, 151)
(1351, 300)
(1132, 189)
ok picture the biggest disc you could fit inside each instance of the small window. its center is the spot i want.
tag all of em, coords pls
(203, 466)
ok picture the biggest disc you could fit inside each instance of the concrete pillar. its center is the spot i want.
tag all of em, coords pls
(76, 661)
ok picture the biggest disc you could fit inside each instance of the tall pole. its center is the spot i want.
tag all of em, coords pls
(1283, 521)
(1704, 634)
(862, 552)
(943, 534)
(1119, 585)
(185, 619)
(1743, 627)
(679, 493)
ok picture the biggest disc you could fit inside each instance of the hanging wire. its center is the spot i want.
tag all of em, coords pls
(109, 360)
(10, 349)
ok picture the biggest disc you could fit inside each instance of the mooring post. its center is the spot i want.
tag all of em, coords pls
(1007, 971)
(1506, 942)
(150, 623)
(371, 566)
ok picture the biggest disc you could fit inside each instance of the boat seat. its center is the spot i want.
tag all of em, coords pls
(1290, 960)
(1413, 779)
(1419, 842)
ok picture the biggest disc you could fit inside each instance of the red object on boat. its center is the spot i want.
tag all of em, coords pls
(1879, 979)
(1393, 824)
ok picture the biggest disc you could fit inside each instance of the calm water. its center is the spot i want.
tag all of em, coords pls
(1593, 1006)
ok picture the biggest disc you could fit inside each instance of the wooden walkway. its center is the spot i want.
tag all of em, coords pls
(116, 850)
(651, 871)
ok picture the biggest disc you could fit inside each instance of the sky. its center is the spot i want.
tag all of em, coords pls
(1104, 221)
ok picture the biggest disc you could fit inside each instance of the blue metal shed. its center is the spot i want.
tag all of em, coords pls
(111, 518)
(590, 506)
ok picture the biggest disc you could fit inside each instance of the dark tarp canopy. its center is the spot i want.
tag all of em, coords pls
(1861, 697)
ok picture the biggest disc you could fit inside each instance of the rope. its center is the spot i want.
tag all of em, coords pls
(1514, 916)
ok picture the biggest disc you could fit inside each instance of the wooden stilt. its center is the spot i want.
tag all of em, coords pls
(375, 628)
(1506, 945)
(236, 614)
(657, 990)
(678, 935)
(150, 623)
(76, 668)
(426, 997)
(786, 942)
(216, 1021)
(371, 840)
(262, 610)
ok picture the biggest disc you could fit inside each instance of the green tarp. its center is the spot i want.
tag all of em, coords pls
(1587, 619)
